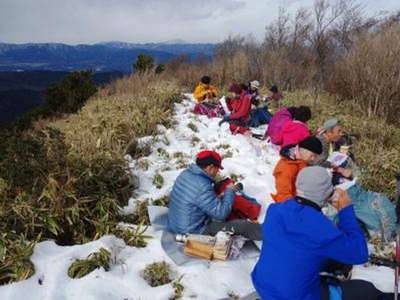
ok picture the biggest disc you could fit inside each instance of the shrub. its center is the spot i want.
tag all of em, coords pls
(69, 95)
(140, 216)
(158, 181)
(143, 63)
(159, 69)
(194, 140)
(158, 273)
(15, 252)
(178, 288)
(163, 153)
(163, 201)
(193, 127)
(133, 237)
(95, 260)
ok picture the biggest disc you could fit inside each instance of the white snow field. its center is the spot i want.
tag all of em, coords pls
(251, 160)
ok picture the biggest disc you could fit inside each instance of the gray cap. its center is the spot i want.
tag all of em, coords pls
(314, 184)
(332, 123)
(255, 84)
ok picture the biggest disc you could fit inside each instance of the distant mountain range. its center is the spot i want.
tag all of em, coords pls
(102, 57)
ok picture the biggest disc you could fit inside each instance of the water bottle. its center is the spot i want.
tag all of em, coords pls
(181, 238)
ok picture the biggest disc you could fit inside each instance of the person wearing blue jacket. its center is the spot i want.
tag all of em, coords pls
(298, 240)
(194, 206)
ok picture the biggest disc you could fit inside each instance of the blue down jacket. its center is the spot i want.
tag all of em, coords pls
(193, 202)
(298, 240)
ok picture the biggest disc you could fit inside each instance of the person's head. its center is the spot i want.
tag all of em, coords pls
(245, 87)
(274, 89)
(332, 130)
(209, 161)
(254, 85)
(205, 80)
(314, 184)
(292, 110)
(302, 114)
(309, 149)
(235, 89)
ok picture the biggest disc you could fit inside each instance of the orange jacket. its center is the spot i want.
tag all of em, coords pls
(285, 174)
(204, 91)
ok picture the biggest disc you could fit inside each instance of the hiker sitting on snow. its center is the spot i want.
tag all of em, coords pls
(194, 206)
(296, 130)
(293, 160)
(206, 102)
(277, 121)
(330, 133)
(253, 91)
(259, 114)
(299, 239)
(204, 91)
(374, 210)
(276, 94)
(240, 106)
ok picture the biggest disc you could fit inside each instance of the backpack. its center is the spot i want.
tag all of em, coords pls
(276, 123)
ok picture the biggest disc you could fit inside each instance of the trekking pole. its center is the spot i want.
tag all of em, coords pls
(396, 270)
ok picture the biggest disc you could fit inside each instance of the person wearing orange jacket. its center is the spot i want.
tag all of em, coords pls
(293, 159)
(204, 90)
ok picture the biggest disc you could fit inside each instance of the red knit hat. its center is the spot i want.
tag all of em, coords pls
(210, 156)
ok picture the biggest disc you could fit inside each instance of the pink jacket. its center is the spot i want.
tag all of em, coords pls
(276, 123)
(292, 133)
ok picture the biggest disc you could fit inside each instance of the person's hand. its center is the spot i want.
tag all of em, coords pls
(340, 199)
(345, 172)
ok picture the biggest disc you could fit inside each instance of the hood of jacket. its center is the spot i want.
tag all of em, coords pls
(288, 152)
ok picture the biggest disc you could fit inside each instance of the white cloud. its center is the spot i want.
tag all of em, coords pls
(90, 21)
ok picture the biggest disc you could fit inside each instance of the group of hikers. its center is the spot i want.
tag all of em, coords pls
(321, 217)
(244, 107)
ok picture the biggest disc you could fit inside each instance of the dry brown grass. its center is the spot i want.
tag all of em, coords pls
(66, 179)
(369, 75)
(128, 108)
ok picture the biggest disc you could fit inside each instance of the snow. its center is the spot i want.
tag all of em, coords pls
(250, 159)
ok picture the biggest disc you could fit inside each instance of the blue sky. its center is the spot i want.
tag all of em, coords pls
(91, 21)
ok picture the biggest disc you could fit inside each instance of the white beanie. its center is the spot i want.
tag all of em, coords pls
(255, 84)
(314, 184)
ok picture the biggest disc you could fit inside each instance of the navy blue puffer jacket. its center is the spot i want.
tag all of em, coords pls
(193, 202)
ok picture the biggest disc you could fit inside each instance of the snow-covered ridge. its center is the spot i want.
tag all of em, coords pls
(252, 161)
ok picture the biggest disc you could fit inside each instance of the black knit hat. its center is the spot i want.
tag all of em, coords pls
(312, 144)
(205, 79)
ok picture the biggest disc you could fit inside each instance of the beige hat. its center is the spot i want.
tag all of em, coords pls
(255, 84)
(329, 124)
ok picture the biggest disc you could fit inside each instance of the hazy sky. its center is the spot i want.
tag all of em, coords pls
(91, 21)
